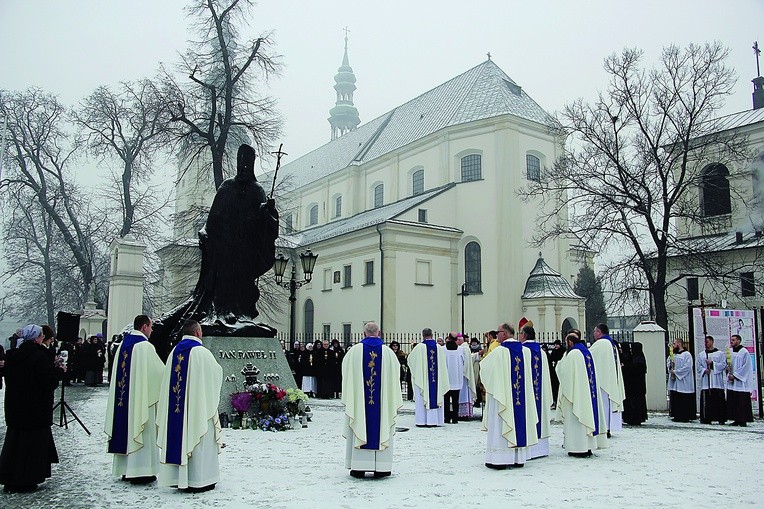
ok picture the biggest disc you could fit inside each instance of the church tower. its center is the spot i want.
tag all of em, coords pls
(344, 116)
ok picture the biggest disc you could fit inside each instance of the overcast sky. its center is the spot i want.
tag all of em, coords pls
(398, 50)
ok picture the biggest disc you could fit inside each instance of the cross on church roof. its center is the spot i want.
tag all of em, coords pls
(489, 55)
(757, 52)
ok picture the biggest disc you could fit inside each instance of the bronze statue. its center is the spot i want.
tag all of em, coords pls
(238, 246)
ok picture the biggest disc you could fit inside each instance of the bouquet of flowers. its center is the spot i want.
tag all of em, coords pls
(295, 402)
(269, 397)
(279, 422)
(241, 401)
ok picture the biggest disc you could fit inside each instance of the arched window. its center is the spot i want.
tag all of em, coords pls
(338, 206)
(533, 168)
(417, 182)
(715, 191)
(472, 267)
(313, 215)
(379, 195)
(308, 320)
(471, 168)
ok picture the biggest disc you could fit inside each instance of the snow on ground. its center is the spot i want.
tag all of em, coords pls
(661, 464)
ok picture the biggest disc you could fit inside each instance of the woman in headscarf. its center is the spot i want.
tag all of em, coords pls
(31, 376)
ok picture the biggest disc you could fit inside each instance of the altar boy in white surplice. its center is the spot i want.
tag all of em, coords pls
(187, 417)
(371, 393)
(429, 375)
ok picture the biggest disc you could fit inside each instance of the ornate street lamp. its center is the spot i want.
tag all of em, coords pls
(308, 262)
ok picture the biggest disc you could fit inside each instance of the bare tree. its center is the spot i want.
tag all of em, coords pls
(633, 162)
(219, 106)
(129, 125)
(39, 262)
(40, 153)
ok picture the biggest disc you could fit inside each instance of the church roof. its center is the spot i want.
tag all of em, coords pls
(362, 220)
(740, 119)
(545, 282)
(482, 92)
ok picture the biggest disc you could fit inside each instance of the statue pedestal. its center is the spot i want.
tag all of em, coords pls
(239, 354)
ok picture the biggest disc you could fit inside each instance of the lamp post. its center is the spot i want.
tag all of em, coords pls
(464, 293)
(308, 262)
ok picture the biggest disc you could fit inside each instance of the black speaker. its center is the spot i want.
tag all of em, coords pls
(68, 326)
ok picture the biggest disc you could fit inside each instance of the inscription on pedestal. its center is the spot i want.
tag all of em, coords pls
(248, 360)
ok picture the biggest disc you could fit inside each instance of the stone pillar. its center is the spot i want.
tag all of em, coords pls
(125, 284)
(653, 339)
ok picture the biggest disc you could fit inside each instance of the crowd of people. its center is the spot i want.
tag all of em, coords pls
(726, 381)
(594, 389)
(162, 418)
(317, 367)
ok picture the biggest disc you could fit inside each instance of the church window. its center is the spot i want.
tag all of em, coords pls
(533, 168)
(347, 269)
(313, 215)
(747, 284)
(417, 182)
(379, 195)
(715, 191)
(472, 269)
(308, 320)
(338, 206)
(422, 215)
(471, 167)
(369, 272)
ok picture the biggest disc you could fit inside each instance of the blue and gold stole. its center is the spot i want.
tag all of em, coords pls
(176, 406)
(118, 440)
(517, 374)
(537, 371)
(432, 371)
(589, 363)
(372, 386)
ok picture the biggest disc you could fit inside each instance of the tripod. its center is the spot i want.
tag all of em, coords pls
(64, 406)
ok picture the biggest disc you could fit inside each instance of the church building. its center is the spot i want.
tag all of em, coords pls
(414, 216)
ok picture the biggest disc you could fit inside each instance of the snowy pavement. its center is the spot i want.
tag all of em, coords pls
(660, 464)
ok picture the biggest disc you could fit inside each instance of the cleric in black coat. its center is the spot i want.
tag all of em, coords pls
(31, 377)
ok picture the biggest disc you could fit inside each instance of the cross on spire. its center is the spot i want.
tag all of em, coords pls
(489, 55)
(757, 52)
(347, 31)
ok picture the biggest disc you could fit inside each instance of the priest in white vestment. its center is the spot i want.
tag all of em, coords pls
(740, 383)
(711, 366)
(131, 411)
(468, 390)
(579, 403)
(429, 375)
(371, 393)
(681, 384)
(542, 391)
(610, 377)
(510, 416)
(189, 426)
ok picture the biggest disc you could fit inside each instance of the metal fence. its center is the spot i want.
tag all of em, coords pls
(408, 339)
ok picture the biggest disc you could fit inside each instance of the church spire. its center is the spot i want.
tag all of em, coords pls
(343, 118)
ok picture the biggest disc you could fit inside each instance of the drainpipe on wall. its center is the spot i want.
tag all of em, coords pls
(381, 280)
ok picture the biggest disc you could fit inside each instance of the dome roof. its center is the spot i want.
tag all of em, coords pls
(545, 282)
